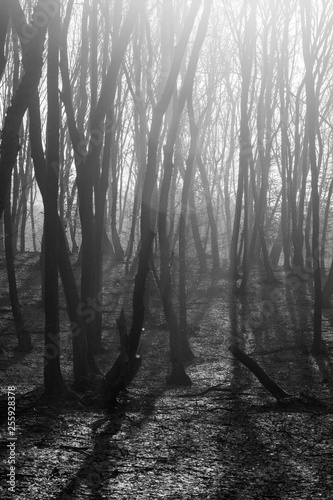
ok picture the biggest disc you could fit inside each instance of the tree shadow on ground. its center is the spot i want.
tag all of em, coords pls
(246, 450)
(257, 436)
(15, 358)
(104, 462)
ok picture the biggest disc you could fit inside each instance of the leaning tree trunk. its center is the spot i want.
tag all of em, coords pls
(269, 384)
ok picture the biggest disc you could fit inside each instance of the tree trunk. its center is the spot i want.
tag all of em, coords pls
(284, 102)
(276, 250)
(176, 355)
(227, 176)
(180, 348)
(148, 215)
(210, 212)
(312, 111)
(32, 214)
(328, 290)
(124, 369)
(177, 375)
(84, 365)
(245, 150)
(53, 381)
(118, 251)
(307, 236)
(325, 223)
(298, 219)
(203, 268)
(23, 335)
(188, 180)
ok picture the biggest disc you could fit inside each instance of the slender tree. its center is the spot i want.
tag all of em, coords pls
(246, 53)
(23, 335)
(312, 111)
(53, 381)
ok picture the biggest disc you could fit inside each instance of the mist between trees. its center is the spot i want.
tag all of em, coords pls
(176, 137)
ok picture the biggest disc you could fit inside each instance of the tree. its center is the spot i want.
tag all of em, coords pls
(246, 47)
(33, 61)
(23, 335)
(88, 163)
(313, 113)
(53, 381)
(264, 148)
(186, 93)
(177, 375)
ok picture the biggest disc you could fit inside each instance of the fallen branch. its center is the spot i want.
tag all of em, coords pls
(272, 387)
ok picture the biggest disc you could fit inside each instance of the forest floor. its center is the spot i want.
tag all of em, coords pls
(224, 437)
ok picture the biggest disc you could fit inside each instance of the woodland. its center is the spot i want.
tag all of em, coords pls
(166, 175)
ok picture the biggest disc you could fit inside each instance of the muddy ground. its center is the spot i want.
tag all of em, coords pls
(223, 437)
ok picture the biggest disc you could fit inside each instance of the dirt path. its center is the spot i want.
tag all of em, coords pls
(232, 442)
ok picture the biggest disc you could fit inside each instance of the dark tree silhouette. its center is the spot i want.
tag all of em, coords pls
(53, 381)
